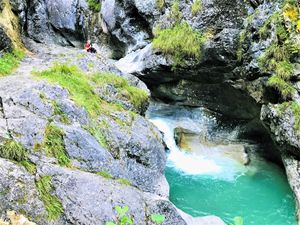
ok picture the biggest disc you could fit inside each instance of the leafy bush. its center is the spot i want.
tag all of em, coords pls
(10, 149)
(9, 61)
(52, 203)
(179, 41)
(94, 5)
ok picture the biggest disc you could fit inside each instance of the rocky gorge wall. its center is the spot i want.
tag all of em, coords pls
(227, 78)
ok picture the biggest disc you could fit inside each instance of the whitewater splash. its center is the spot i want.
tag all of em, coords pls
(194, 164)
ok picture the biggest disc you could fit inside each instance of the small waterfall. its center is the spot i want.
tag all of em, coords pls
(208, 173)
(214, 164)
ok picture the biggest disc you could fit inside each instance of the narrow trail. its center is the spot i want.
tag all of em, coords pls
(41, 57)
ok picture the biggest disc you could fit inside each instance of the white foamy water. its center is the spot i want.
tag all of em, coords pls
(187, 162)
(191, 163)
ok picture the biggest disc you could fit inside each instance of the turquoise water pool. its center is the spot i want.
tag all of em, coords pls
(211, 179)
(261, 197)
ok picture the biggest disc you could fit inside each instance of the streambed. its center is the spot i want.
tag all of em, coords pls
(210, 173)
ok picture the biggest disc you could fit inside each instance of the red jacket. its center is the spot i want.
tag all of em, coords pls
(88, 46)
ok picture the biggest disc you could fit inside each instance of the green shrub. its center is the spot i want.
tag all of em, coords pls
(10, 61)
(196, 7)
(94, 5)
(180, 41)
(53, 144)
(52, 203)
(10, 149)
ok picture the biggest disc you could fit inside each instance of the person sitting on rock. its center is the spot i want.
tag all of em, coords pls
(89, 48)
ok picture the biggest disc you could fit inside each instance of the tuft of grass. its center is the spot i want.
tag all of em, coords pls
(95, 130)
(105, 174)
(281, 108)
(196, 7)
(10, 61)
(94, 5)
(284, 69)
(29, 166)
(71, 78)
(296, 113)
(53, 144)
(285, 88)
(242, 38)
(79, 87)
(10, 149)
(57, 111)
(179, 41)
(123, 181)
(135, 95)
(160, 4)
(52, 203)
(175, 13)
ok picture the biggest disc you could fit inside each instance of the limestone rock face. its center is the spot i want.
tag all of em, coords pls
(127, 170)
(5, 42)
(56, 21)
